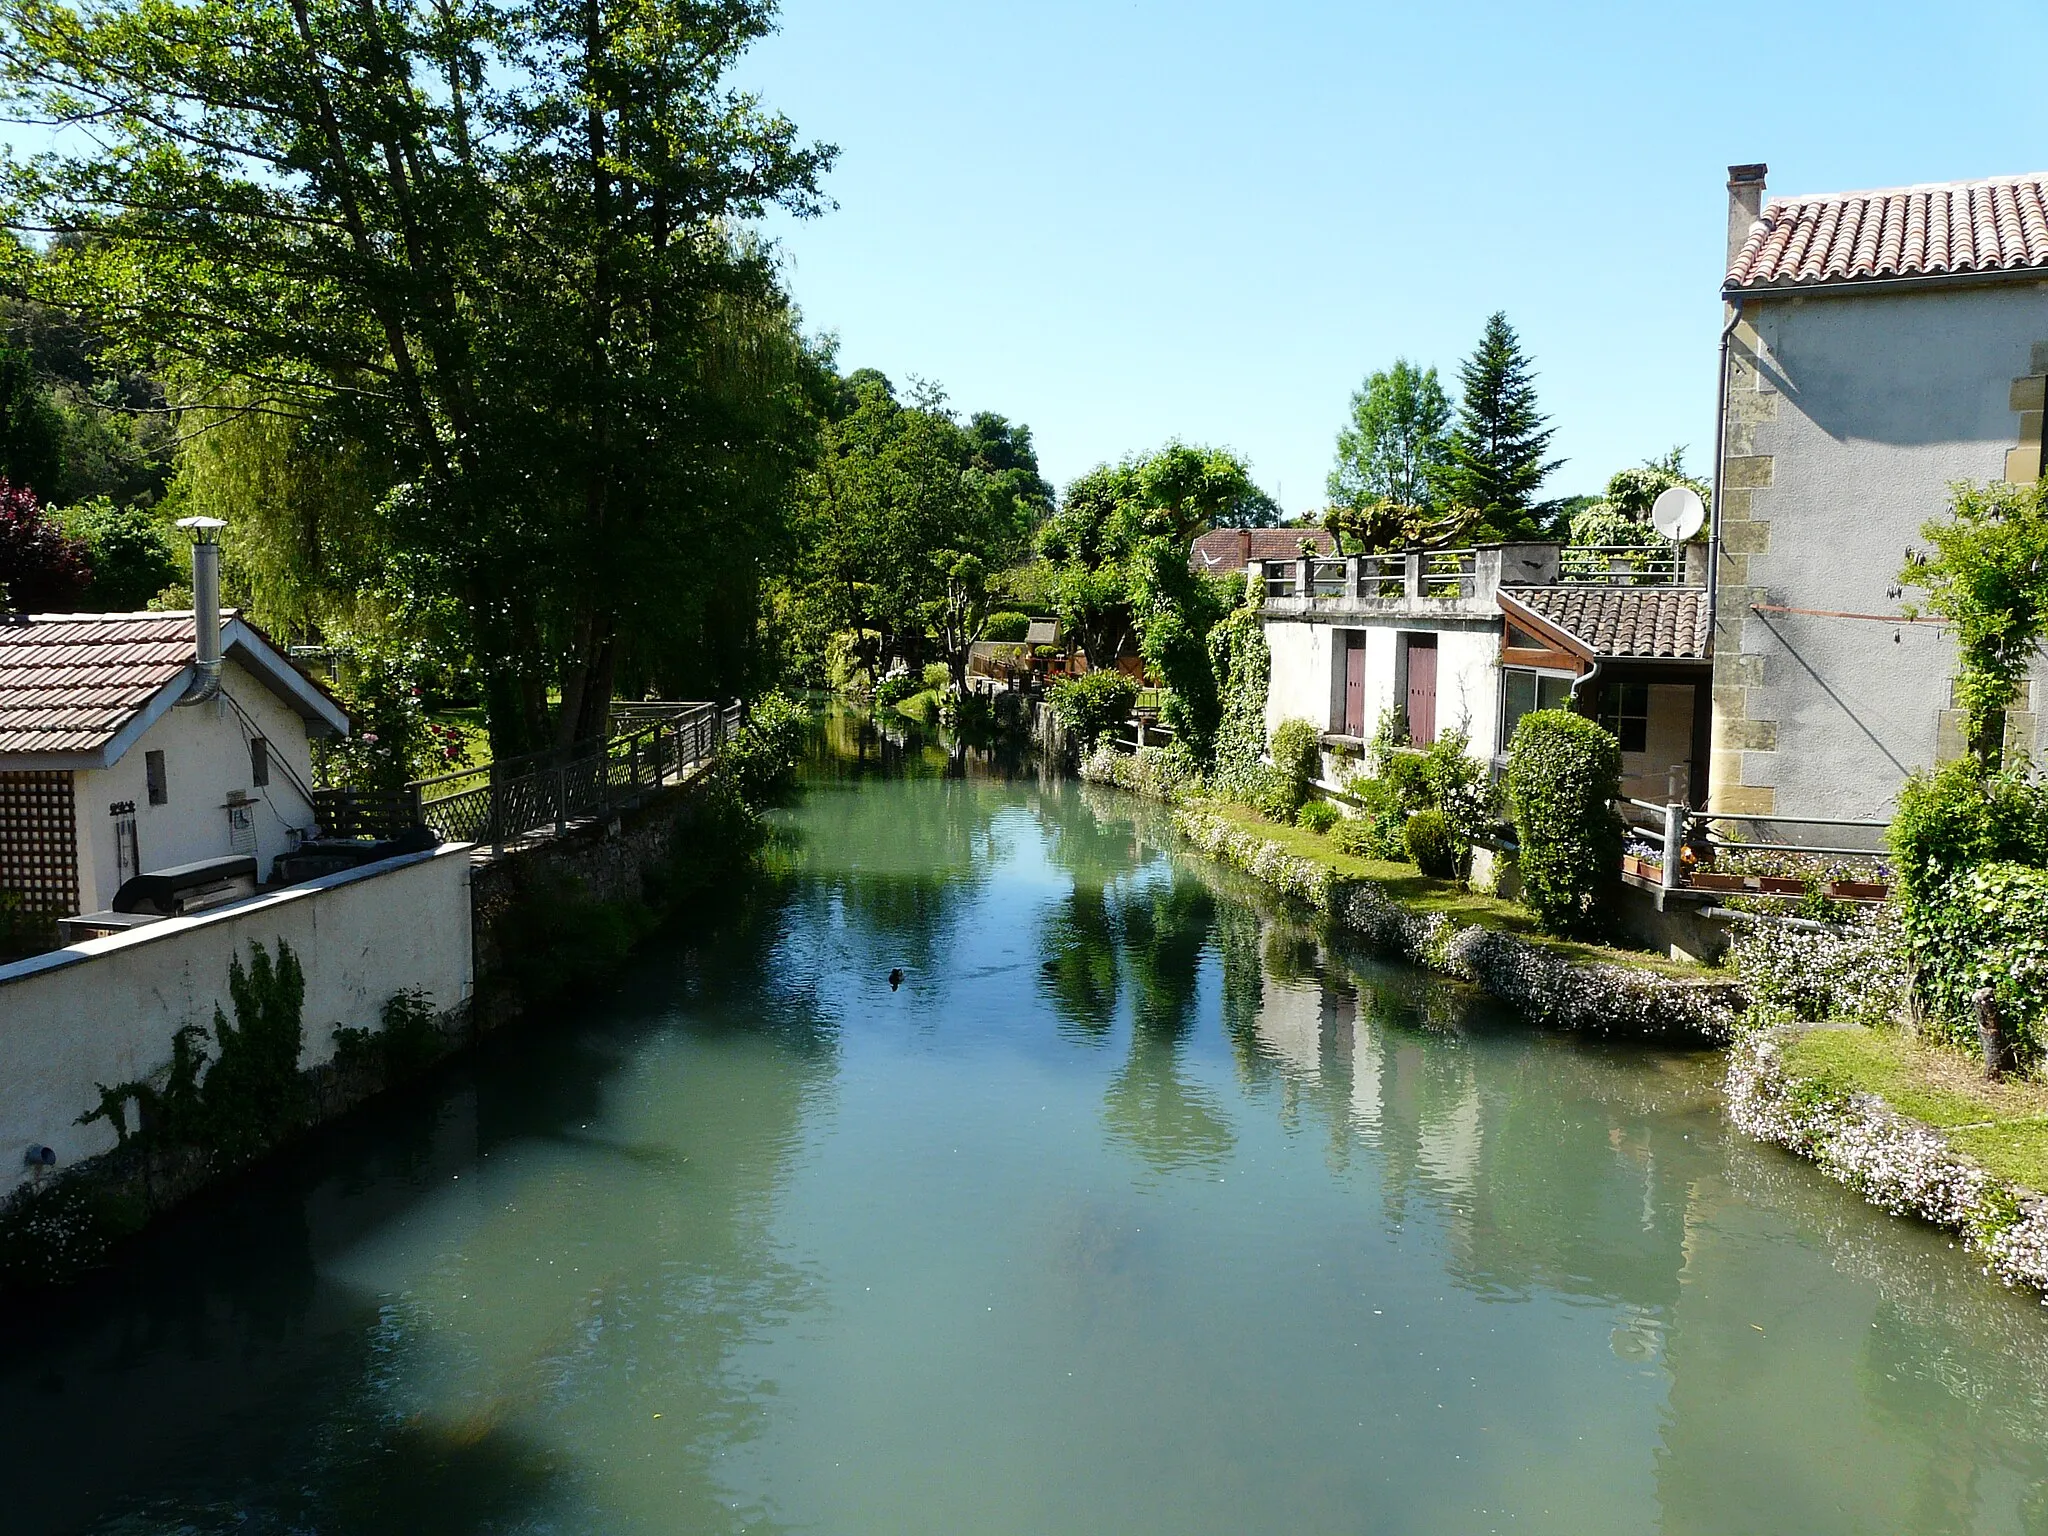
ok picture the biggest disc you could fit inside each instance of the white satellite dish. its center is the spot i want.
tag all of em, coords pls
(1678, 513)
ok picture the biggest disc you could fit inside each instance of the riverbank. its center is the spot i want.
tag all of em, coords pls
(1903, 1124)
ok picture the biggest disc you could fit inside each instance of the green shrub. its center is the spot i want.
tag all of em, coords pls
(938, 676)
(1006, 626)
(1961, 816)
(760, 761)
(895, 688)
(1856, 970)
(1459, 786)
(1988, 928)
(1430, 844)
(1406, 776)
(1243, 664)
(1297, 764)
(1564, 773)
(1092, 704)
(1317, 816)
(1379, 828)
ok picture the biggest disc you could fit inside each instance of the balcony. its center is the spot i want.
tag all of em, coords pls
(1462, 583)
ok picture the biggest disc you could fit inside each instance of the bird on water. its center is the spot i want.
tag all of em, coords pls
(895, 978)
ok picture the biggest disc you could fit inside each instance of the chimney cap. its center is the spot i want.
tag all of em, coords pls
(202, 529)
(1743, 175)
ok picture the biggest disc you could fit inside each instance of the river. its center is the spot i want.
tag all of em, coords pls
(1139, 1206)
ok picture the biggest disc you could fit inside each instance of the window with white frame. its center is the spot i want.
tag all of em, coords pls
(1625, 710)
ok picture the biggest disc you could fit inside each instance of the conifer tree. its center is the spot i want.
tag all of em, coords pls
(1495, 462)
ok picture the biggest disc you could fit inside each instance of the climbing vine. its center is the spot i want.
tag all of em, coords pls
(1243, 663)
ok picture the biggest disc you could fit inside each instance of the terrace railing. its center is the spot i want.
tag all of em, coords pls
(1622, 565)
(1450, 573)
(1851, 856)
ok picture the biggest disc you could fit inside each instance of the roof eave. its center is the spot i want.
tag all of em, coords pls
(1825, 287)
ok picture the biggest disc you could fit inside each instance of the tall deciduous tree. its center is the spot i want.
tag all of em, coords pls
(1393, 446)
(1496, 461)
(485, 245)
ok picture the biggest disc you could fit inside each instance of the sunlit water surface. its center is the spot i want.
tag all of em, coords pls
(1138, 1208)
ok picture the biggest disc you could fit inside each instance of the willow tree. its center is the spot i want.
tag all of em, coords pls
(488, 247)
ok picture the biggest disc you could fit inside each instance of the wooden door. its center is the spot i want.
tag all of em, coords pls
(1422, 689)
(1354, 683)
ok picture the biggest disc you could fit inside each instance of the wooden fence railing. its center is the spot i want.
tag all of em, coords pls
(652, 744)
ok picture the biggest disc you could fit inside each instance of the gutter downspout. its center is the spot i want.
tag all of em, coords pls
(1720, 456)
(1584, 678)
(205, 533)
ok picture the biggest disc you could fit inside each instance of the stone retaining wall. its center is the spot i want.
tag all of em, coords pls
(1587, 996)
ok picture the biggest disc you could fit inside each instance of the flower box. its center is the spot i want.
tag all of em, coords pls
(1710, 880)
(1858, 890)
(1781, 885)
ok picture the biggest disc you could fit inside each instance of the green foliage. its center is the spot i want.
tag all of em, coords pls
(1167, 774)
(129, 551)
(1389, 733)
(1393, 448)
(52, 1234)
(252, 1094)
(760, 761)
(1379, 828)
(42, 568)
(1855, 970)
(1989, 929)
(1297, 752)
(409, 1039)
(495, 256)
(391, 741)
(1119, 548)
(1959, 817)
(1564, 773)
(1092, 704)
(1989, 580)
(1457, 786)
(895, 688)
(1495, 464)
(1242, 663)
(1007, 626)
(31, 428)
(1435, 851)
(1317, 816)
(1622, 516)
(937, 676)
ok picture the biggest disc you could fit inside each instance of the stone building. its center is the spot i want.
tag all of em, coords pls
(1879, 346)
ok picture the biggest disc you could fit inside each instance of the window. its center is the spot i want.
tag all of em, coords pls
(259, 762)
(153, 771)
(1522, 690)
(1625, 710)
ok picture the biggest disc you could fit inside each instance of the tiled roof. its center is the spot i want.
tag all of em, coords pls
(1950, 229)
(70, 681)
(1232, 549)
(1651, 623)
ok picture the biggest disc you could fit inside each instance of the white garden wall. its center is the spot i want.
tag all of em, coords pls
(105, 1011)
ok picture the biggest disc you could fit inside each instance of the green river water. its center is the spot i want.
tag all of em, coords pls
(1140, 1207)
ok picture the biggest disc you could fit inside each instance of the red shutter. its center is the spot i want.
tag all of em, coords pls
(1422, 689)
(1354, 683)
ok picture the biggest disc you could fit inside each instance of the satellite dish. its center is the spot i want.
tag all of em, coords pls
(1678, 513)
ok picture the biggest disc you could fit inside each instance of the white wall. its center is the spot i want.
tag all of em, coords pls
(1305, 684)
(1869, 407)
(105, 1011)
(206, 754)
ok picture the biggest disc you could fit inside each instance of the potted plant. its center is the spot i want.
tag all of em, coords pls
(1717, 880)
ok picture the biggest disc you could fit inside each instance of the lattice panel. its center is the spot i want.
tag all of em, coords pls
(39, 842)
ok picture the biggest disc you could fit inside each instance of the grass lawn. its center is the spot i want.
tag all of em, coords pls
(1416, 890)
(2004, 1126)
(476, 737)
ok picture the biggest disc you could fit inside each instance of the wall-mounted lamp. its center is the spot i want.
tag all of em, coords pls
(40, 1157)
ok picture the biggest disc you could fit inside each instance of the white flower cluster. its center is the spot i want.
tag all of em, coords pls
(1907, 1168)
(1564, 993)
(1158, 773)
(1858, 970)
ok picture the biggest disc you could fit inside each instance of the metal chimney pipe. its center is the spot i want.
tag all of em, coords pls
(205, 533)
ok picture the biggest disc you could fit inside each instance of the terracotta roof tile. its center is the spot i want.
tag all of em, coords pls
(1650, 623)
(1232, 549)
(1950, 229)
(69, 682)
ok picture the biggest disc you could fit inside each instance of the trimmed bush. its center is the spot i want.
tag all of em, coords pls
(1564, 773)
(938, 677)
(1006, 626)
(1430, 844)
(1091, 705)
(1297, 764)
(1317, 816)
(1988, 929)
(895, 688)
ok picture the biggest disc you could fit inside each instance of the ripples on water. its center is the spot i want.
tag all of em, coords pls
(1140, 1207)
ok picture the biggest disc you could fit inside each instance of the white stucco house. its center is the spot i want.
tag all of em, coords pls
(1879, 346)
(1474, 639)
(124, 749)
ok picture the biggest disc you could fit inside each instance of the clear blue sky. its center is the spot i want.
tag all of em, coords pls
(1125, 222)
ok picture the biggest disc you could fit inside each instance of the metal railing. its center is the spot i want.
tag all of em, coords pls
(1328, 579)
(1622, 565)
(652, 745)
(1670, 828)
(1382, 576)
(1450, 573)
(1283, 577)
